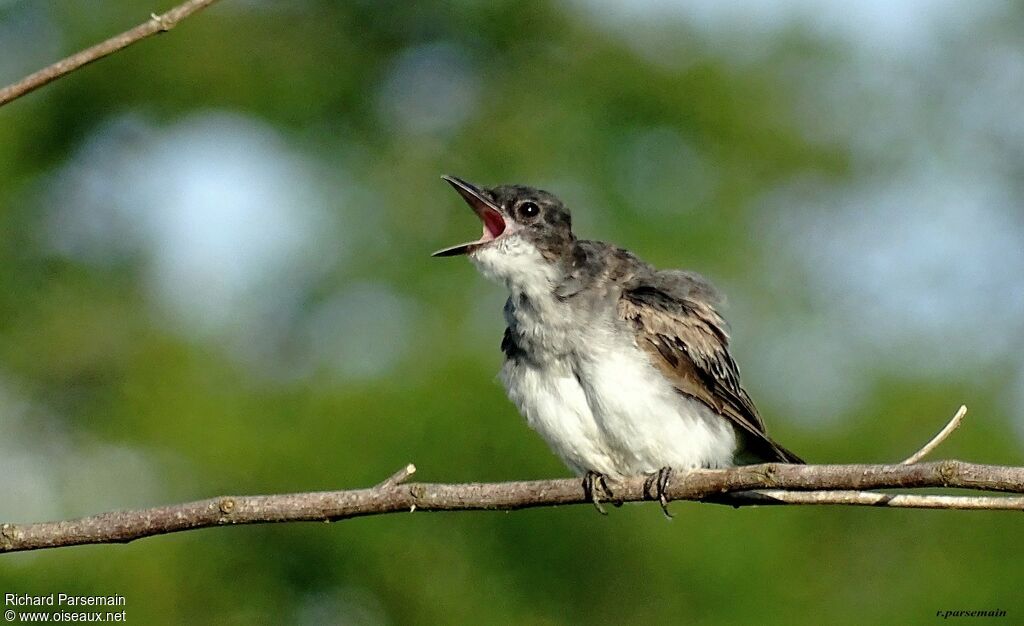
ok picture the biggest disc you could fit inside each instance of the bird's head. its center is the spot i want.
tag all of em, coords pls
(527, 233)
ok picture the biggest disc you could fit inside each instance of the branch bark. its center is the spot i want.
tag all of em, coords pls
(786, 484)
(156, 24)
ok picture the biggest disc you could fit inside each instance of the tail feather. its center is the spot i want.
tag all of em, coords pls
(761, 448)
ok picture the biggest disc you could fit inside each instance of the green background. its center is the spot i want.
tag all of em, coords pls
(214, 278)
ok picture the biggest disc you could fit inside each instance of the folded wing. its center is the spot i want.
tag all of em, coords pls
(687, 341)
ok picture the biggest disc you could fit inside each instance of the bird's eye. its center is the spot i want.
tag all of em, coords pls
(528, 209)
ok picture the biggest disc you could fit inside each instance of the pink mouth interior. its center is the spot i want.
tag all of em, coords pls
(494, 224)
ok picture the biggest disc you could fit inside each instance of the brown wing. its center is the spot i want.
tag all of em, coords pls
(687, 341)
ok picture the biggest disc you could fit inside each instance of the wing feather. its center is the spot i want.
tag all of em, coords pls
(688, 343)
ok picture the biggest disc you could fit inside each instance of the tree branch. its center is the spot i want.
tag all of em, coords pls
(800, 484)
(156, 24)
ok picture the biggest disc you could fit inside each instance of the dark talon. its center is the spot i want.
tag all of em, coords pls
(656, 486)
(592, 482)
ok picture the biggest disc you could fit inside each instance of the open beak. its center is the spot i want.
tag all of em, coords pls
(490, 215)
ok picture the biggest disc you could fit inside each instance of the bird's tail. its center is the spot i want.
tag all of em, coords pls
(764, 449)
(785, 456)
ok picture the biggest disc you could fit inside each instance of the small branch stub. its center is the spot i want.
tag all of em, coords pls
(398, 477)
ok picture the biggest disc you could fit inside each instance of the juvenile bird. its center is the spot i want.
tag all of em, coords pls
(622, 368)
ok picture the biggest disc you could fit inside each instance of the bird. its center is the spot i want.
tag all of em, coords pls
(622, 368)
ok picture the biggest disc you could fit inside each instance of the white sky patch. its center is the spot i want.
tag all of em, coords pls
(984, 111)
(805, 370)
(30, 450)
(1015, 405)
(920, 272)
(365, 330)
(29, 39)
(232, 226)
(661, 172)
(886, 26)
(48, 475)
(429, 89)
(340, 606)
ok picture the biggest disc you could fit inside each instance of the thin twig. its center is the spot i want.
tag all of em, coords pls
(156, 24)
(946, 431)
(703, 485)
(871, 498)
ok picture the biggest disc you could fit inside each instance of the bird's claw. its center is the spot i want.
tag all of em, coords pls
(656, 486)
(592, 483)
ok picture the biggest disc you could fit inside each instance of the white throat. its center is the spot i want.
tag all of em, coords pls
(519, 265)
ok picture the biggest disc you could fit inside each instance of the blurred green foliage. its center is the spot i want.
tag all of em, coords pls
(557, 98)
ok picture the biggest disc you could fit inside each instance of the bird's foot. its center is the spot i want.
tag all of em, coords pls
(656, 486)
(593, 482)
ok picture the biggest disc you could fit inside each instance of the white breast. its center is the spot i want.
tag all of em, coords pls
(644, 419)
(604, 407)
(554, 405)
